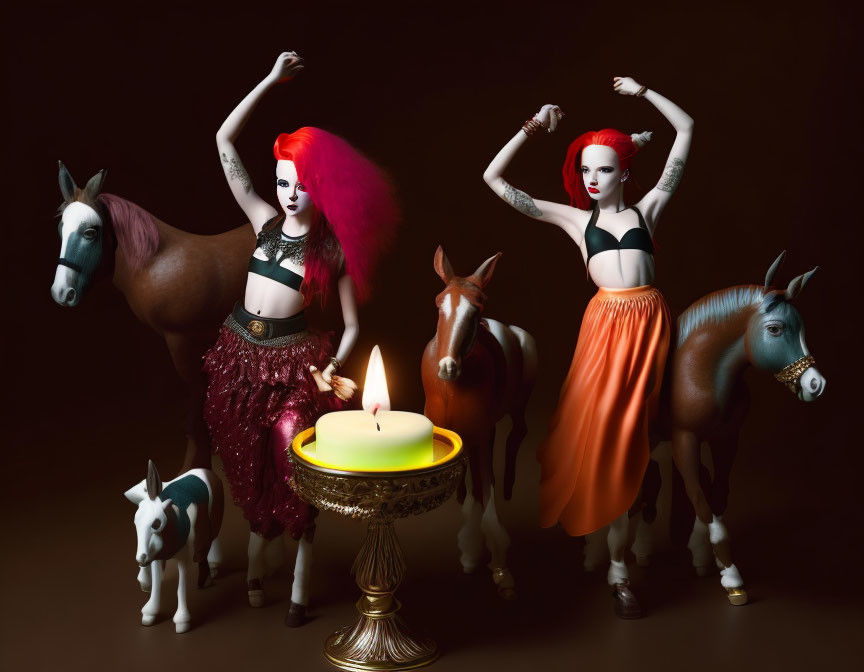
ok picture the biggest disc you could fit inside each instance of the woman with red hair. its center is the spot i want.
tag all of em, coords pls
(596, 452)
(336, 215)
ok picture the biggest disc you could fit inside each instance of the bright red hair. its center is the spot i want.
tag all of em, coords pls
(355, 207)
(624, 147)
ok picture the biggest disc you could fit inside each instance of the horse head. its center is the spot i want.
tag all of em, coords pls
(459, 308)
(82, 231)
(151, 517)
(774, 340)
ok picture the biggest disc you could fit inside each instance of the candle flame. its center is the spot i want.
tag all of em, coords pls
(375, 395)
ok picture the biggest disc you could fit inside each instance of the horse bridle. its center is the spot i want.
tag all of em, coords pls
(107, 233)
(790, 375)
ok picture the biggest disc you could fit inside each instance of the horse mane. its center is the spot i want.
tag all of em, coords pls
(137, 235)
(716, 308)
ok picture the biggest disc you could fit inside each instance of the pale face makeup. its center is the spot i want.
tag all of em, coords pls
(601, 172)
(291, 192)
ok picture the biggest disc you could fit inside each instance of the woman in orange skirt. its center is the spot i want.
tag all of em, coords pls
(595, 455)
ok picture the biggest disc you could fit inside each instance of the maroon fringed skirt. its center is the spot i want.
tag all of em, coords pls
(260, 395)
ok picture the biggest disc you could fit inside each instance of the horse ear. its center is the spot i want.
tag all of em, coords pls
(94, 185)
(778, 262)
(486, 269)
(135, 494)
(154, 483)
(67, 184)
(795, 287)
(442, 266)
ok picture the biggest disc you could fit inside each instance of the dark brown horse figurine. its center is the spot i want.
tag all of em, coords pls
(706, 399)
(179, 284)
(475, 371)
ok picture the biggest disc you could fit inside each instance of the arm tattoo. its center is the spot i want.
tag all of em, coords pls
(235, 171)
(521, 201)
(671, 176)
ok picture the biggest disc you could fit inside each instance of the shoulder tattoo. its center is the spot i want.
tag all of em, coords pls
(235, 171)
(521, 201)
(671, 176)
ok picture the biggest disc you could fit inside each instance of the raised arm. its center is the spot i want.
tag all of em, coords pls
(288, 64)
(554, 213)
(654, 201)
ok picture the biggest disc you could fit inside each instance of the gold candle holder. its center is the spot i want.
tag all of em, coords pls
(379, 639)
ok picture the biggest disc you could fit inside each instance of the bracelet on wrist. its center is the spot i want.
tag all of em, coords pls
(641, 92)
(335, 363)
(531, 126)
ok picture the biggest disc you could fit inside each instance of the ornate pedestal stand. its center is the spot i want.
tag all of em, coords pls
(378, 640)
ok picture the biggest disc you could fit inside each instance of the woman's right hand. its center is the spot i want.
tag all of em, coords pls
(549, 116)
(288, 65)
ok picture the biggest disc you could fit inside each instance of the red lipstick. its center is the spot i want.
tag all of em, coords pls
(592, 190)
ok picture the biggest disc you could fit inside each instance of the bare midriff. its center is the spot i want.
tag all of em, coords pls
(268, 298)
(621, 269)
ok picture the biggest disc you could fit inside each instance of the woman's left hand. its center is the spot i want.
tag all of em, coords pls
(344, 388)
(626, 86)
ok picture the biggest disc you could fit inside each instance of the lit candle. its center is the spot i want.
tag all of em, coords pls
(375, 438)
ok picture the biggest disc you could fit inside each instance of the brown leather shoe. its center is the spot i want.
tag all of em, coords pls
(626, 604)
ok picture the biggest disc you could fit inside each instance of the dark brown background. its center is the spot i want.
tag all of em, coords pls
(431, 93)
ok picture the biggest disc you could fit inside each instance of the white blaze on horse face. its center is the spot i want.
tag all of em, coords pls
(149, 538)
(76, 217)
(449, 367)
(601, 172)
(812, 382)
(291, 191)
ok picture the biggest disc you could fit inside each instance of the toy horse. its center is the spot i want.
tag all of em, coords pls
(705, 399)
(179, 284)
(475, 371)
(177, 521)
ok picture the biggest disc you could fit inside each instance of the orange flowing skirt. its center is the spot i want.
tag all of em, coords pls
(596, 452)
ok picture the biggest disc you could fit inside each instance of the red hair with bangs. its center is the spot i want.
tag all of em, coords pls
(357, 213)
(624, 147)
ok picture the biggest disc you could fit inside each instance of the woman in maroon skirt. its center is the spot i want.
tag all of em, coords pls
(337, 213)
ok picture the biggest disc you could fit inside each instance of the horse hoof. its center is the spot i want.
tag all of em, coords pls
(182, 627)
(704, 570)
(256, 593)
(626, 604)
(737, 596)
(215, 568)
(643, 560)
(148, 619)
(296, 615)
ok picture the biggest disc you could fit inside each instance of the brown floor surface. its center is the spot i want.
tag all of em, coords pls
(72, 603)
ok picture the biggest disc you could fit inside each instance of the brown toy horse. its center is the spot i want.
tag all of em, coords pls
(706, 399)
(179, 284)
(475, 371)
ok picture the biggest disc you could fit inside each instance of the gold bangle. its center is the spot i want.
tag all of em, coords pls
(335, 363)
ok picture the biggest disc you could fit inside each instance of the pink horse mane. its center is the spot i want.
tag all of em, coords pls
(137, 235)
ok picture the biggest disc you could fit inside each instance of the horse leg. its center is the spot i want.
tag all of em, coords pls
(596, 549)
(296, 615)
(181, 616)
(700, 549)
(214, 558)
(497, 541)
(517, 415)
(144, 579)
(626, 604)
(255, 570)
(723, 450)
(642, 544)
(151, 608)
(186, 354)
(470, 537)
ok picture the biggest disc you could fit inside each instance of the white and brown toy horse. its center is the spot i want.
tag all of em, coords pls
(475, 371)
(180, 520)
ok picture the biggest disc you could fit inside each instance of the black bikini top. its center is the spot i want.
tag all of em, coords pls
(269, 243)
(600, 240)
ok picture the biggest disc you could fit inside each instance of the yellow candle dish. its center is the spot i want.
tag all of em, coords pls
(352, 440)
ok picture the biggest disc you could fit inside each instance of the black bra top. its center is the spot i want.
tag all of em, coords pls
(600, 240)
(271, 268)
